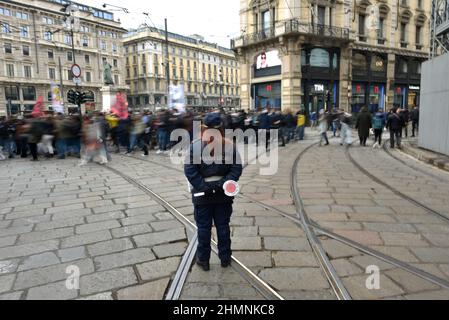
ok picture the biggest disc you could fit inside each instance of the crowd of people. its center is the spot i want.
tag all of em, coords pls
(397, 121)
(91, 136)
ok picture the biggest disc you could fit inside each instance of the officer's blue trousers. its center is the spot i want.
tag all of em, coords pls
(220, 214)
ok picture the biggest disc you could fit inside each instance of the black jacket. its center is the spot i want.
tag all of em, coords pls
(394, 122)
(228, 166)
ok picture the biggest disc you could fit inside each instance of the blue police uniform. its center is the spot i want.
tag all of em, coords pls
(210, 202)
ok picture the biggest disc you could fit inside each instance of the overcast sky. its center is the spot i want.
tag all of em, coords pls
(216, 20)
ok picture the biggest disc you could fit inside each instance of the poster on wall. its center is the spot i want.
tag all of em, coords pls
(268, 59)
(319, 58)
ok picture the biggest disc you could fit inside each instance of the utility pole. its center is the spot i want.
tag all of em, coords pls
(167, 62)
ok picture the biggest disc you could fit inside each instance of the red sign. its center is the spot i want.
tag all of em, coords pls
(269, 88)
(376, 89)
(358, 88)
(398, 90)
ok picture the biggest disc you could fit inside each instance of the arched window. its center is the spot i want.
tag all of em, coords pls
(359, 61)
(319, 58)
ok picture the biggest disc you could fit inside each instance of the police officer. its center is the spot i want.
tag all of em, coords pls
(207, 179)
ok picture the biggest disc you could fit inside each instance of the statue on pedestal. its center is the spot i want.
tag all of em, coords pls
(107, 76)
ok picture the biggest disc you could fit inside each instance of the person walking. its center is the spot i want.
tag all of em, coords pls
(323, 126)
(414, 117)
(207, 180)
(395, 124)
(300, 125)
(405, 115)
(378, 126)
(363, 125)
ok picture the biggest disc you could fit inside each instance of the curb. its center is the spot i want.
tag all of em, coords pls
(438, 161)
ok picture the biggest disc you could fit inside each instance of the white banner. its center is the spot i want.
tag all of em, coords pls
(177, 98)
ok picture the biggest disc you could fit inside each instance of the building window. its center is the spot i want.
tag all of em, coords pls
(48, 36)
(87, 59)
(418, 35)
(380, 31)
(85, 41)
(321, 15)
(103, 45)
(115, 63)
(116, 79)
(69, 56)
(128, 74)
(50, 54)
(88, 77)
(26, 50)
(6, 28)
(419, 4)
(67, 39)
(85, 29)
(361, 25)
(52, 73)
(8, 48)
(29, 93)
(12, 93)
(24, 31)
(69, 75)
(22, 15)
(114, 48)
(10, 70)
(403, 33)
(266, 21)
(27, 71)
(47, 20)
(5, 12)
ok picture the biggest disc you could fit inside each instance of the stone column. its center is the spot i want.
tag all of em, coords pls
(109, 97)
(345, 78)
(291, 77)
(390, 81)
(245, 79)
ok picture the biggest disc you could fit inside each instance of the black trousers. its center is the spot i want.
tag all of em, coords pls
(395, 134)
(33, 150)
(363, 140)
(378, 136)
(220, 215)
(415, 127)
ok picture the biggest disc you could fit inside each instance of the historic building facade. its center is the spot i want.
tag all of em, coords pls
(320, 54)
(36, 50)
(210, 74)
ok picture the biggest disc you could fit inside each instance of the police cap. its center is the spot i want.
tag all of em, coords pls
(213, 120)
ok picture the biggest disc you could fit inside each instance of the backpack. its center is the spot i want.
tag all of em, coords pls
(378, 123)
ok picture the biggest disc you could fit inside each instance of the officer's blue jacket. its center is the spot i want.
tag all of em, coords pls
(197, 170)
(264, 121)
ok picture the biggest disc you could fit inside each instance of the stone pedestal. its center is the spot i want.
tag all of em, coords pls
(109, 94)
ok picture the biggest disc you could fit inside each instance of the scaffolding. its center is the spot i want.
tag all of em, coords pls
(439, 28)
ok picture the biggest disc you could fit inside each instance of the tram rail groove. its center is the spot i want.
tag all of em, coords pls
(394, 190)
(435, 176)
(255, 281)
(327, 267)
(323, 231)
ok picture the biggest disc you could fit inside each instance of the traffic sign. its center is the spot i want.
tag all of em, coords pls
(77, 81)
(76, 70)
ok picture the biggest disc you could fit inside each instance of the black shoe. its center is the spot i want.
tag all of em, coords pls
(204, 265)
(225, 264)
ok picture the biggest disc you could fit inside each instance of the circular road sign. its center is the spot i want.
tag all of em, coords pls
(76, 71)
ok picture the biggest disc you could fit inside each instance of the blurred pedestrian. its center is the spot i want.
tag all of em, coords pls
(363, 124)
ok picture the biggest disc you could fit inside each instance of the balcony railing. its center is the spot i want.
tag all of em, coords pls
(291, 27)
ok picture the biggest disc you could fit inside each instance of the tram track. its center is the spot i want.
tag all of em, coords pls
(187, 261)
(393, 189)
(435, 176)
(321, 231)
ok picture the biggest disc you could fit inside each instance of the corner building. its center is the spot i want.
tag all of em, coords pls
(321, 54)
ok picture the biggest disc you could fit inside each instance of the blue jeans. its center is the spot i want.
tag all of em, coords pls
(74, 145)
(220, 214)
(61, 146)
(162, 140)
(8, 145)
(300, 132)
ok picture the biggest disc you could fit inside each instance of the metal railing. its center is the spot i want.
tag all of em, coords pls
(291, 27)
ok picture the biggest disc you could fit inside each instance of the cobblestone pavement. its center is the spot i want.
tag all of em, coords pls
(129, 247)
(341, 198)
(56, 215)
